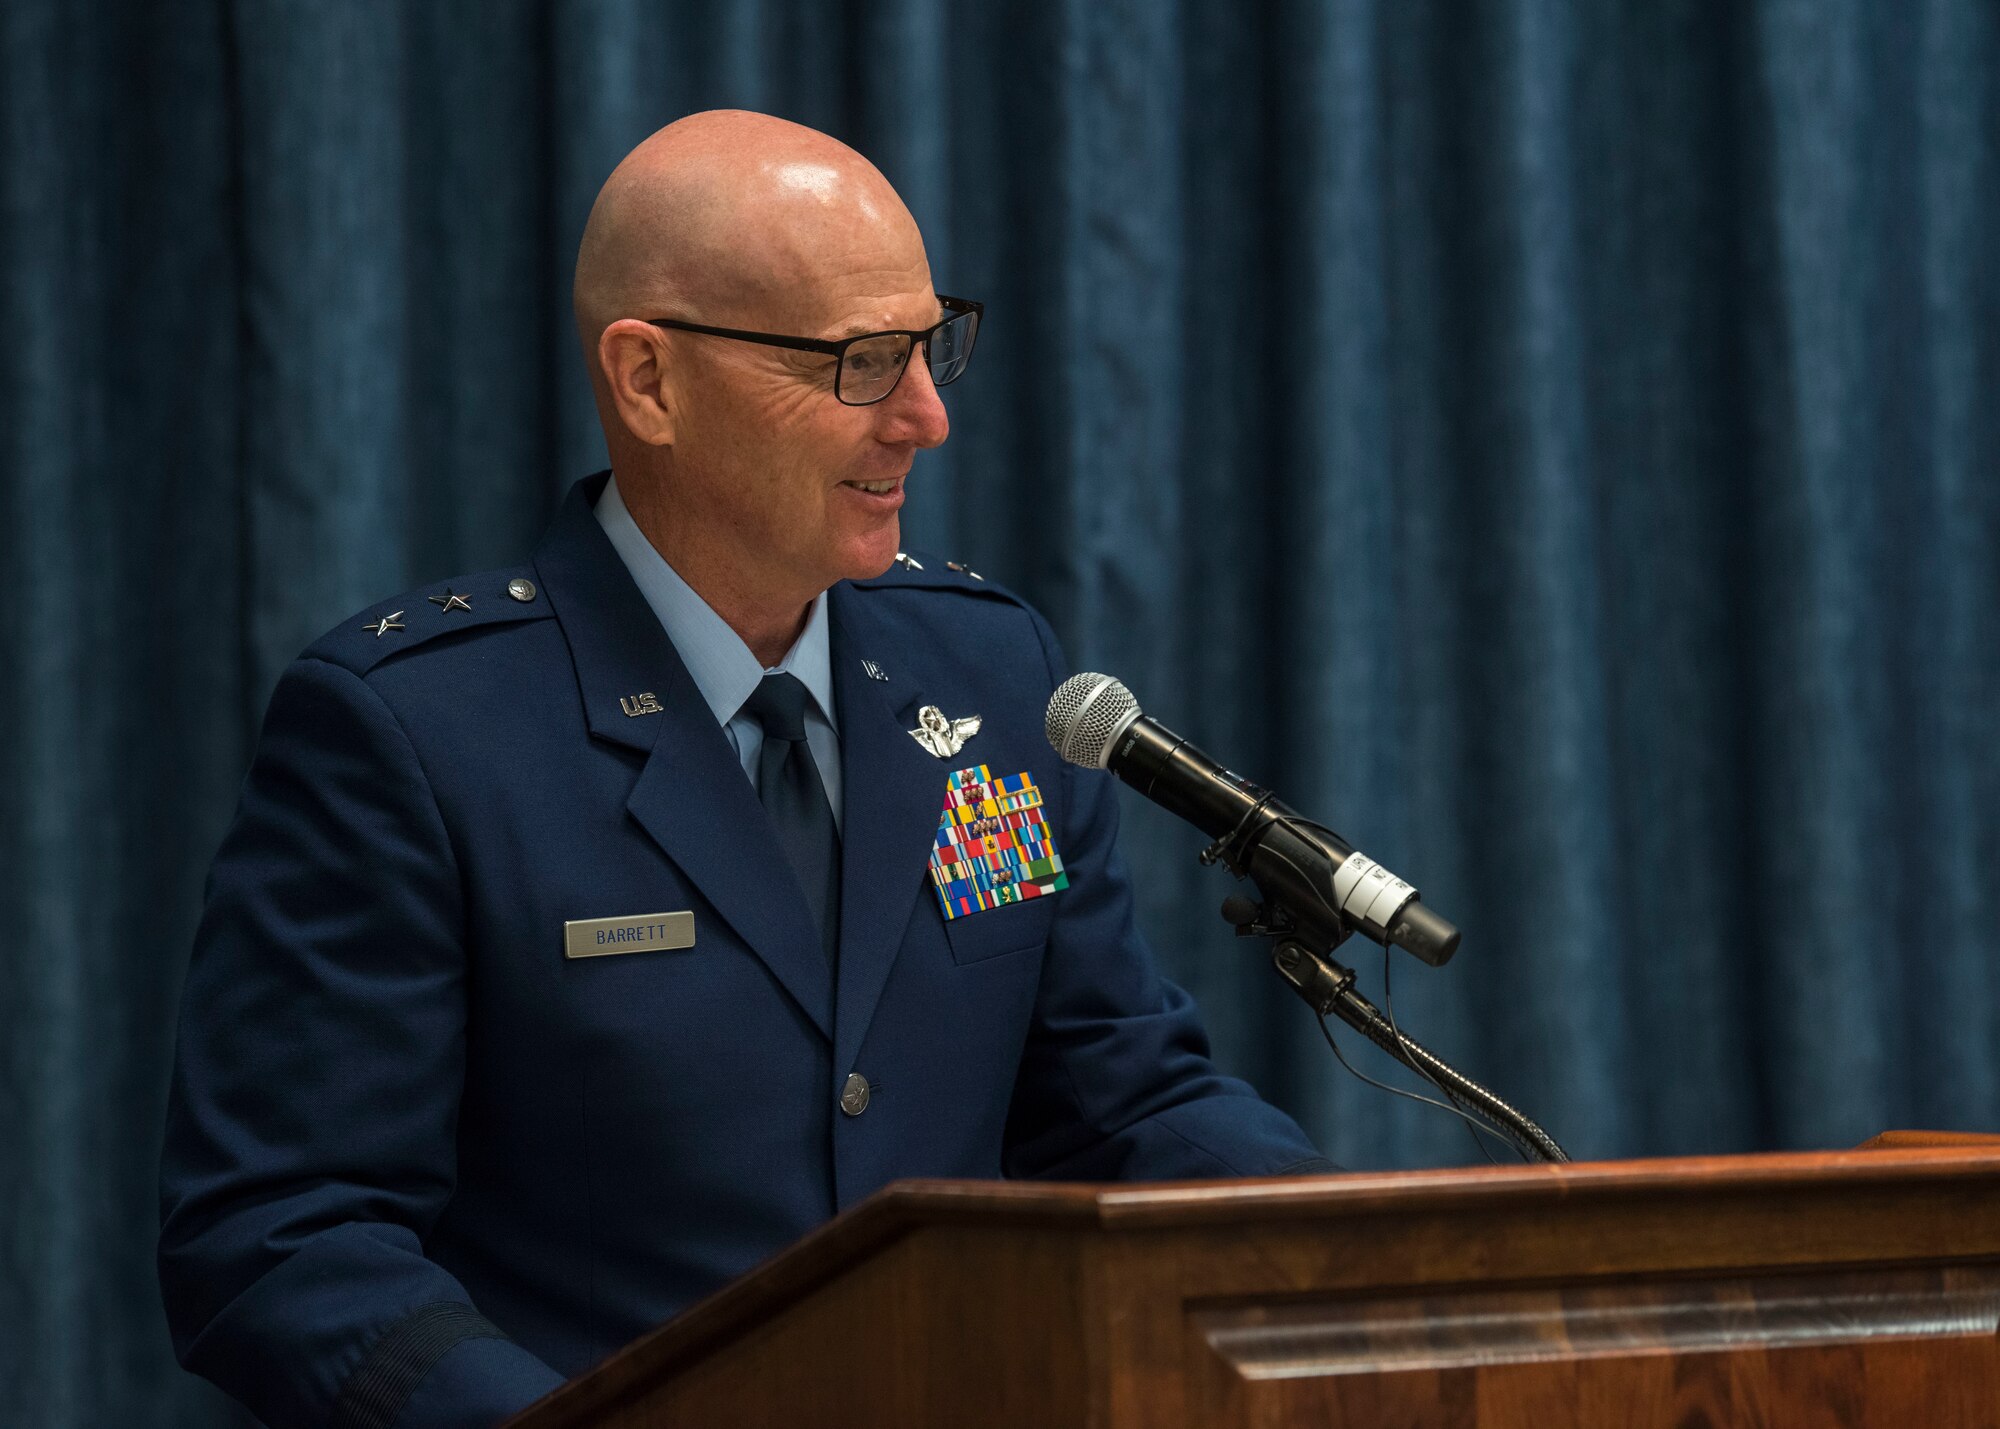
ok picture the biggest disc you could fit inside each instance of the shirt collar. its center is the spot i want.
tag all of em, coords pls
(723, 667)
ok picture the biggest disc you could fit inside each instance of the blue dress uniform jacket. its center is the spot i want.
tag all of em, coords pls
(420, 1165)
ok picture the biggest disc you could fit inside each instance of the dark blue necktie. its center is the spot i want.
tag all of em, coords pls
(789, 784)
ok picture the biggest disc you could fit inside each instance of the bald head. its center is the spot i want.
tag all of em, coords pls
(743, 462)
(735, 219)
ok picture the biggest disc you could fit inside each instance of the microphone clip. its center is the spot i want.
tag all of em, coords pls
(1232, 850)
(1320, 981)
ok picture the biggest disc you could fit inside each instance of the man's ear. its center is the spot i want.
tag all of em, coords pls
(633, 358)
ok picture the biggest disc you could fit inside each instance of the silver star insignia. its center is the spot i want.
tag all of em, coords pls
(450, 600)
(386, 624)
(908, 562)
(942, 735)
(963, 570)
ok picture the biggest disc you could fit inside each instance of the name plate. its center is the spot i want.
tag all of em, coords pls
(645, 933)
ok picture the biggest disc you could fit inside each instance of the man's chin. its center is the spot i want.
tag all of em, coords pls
(873, 555)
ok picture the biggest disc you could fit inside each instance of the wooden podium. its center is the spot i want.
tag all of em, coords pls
(1847, 1288)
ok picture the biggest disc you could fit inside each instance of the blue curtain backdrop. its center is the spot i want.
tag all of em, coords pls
(1554, 443)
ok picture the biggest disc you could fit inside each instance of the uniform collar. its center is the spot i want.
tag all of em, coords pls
(722, 666)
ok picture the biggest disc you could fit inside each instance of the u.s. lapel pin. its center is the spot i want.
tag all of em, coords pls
(942, 735)
(872, 670)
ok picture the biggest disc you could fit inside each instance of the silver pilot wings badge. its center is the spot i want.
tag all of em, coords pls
(942, 735)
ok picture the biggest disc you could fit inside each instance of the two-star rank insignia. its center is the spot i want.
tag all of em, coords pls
(386, 624)
(993, 845)
(450, 601)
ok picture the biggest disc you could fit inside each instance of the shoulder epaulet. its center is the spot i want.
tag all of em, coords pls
(920, 570)
(395, 627)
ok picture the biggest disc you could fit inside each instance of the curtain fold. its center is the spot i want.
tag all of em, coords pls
(1553, 444)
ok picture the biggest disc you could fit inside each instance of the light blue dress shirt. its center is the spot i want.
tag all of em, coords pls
(724, 669)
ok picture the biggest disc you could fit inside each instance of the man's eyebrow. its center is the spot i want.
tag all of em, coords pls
(858, 328)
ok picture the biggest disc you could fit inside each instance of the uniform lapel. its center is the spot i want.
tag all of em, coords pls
(892, 793)
(691, 796)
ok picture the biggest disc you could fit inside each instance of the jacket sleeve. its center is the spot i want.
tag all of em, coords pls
(1115, 1080)
(310, 1131)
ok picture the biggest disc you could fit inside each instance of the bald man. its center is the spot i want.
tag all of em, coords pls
(592, 929)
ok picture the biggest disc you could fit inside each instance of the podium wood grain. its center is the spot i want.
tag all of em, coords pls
(1846, 1288)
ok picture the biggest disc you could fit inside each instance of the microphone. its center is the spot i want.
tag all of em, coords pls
(1328, 888)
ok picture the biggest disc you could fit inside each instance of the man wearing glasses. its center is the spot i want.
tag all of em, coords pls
(590, 930)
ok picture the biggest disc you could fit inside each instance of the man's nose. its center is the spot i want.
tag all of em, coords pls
(914, 411)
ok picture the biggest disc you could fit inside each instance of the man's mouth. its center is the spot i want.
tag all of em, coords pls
(875, 488)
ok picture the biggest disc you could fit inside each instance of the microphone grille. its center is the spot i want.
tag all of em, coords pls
(1086, 715)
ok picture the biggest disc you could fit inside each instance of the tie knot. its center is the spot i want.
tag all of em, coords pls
(779, 704)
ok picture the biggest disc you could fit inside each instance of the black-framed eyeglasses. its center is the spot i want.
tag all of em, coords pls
(872, 363)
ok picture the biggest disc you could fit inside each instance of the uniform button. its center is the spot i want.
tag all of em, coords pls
(854, 1096)
(521, 590)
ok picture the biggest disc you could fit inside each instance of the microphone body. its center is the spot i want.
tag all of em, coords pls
(1327, 886)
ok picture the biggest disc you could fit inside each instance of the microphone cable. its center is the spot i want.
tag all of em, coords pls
(1389, 1011)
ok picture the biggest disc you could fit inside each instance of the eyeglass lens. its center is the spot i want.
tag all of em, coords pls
(870, 370)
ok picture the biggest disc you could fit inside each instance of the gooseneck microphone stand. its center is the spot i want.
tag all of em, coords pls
(1327, 987)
